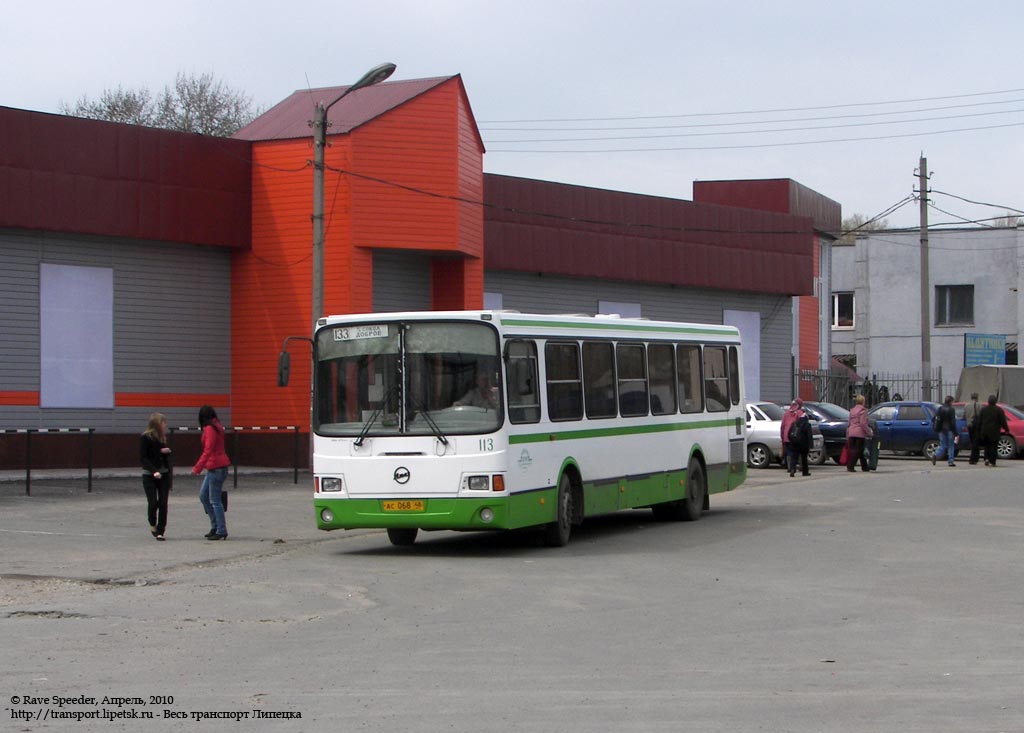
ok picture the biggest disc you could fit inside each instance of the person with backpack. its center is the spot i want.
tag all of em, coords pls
(944, 423)
(796, 437)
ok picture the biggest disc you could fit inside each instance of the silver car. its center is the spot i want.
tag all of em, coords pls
(764, 436)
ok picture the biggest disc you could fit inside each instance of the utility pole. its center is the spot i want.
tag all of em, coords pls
(926, 334)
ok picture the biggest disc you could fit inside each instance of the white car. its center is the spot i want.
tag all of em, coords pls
(764, 436)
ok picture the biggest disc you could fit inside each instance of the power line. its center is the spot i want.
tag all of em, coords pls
(756, 111)
(979, 203)
(964, 219)
(757, 132)
(763, 145)
(749, 122)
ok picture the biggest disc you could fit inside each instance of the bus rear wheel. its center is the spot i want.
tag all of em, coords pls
(402, 536)
(557, 533)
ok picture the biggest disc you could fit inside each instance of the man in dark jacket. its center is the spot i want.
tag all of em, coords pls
(991, 424)
(945, 425)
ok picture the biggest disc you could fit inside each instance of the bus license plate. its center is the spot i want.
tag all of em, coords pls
(404, 506)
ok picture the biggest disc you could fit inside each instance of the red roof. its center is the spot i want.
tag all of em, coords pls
(290, 118)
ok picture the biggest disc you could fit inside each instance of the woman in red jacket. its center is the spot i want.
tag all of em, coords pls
(215, 462)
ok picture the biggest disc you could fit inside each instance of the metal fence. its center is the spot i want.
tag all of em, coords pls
(87, 461)
(842, 389)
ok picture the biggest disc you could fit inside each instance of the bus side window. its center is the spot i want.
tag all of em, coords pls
(734, 374)
(716, 378)
(599, 379)
(564, 381)
(688, 366)
(631, 363)
(661, 368)
(521, 370)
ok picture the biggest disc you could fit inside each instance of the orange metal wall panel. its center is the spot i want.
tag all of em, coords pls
(271, 288)
(810, 345)
(415, 147)
(471, 214)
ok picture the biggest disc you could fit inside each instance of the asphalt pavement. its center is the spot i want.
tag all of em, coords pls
(886, 601)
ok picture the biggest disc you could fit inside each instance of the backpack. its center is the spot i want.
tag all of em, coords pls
(798, 431)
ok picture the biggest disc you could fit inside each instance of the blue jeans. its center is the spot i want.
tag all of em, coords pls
(209, 496)
(946, 447)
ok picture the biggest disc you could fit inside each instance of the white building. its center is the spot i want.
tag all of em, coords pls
(974, 286)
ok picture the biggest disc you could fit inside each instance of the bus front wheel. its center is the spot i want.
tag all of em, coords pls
(557, 533)
(402, 536)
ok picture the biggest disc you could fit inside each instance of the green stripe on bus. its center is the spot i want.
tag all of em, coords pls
(724, 331)
(617, 431)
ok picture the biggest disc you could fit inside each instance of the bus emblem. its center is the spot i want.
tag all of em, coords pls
(402, 475)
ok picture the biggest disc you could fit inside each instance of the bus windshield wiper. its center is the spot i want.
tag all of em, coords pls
(373, 417)
(430, 421)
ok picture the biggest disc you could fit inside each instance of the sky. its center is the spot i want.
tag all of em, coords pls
(644, 96)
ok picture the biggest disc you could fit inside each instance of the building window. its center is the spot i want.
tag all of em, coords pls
(954, 305)
(842, 310)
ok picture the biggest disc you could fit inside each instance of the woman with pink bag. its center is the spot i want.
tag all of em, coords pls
(857, 433)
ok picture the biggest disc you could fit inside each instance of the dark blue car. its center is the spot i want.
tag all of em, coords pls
(833, 421)
(907, 427)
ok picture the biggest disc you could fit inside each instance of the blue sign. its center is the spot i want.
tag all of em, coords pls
(984, 348)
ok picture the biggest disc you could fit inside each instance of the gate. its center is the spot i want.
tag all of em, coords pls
(822, 385)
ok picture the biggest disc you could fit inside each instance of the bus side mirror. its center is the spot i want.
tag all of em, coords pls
(284, 368)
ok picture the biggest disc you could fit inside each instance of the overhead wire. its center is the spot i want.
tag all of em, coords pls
(483, 128)
(978, 203)
(759, 111)
(755, 132)
(963, 219)
(759, 145)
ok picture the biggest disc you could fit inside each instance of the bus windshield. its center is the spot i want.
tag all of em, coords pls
(407, 378)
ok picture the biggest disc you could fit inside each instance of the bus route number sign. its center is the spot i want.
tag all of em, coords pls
(353, 333)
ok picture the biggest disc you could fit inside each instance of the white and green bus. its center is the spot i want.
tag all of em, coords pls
(486, 420)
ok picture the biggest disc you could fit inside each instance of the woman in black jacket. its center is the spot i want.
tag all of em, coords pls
(156, 473)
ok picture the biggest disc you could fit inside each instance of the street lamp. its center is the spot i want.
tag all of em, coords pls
(374, 76)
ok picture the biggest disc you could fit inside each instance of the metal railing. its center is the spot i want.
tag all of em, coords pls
(841, 389)
(29, 432)
(234, 431)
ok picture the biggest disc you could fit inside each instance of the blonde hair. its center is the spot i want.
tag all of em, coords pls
(155, 428)
(860, 399)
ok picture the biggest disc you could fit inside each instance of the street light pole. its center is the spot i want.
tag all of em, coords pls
(374, 76)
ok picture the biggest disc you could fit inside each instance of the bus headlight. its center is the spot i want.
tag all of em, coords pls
(332, 483)
(327, 516)
(487, 515)
(478, 483)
